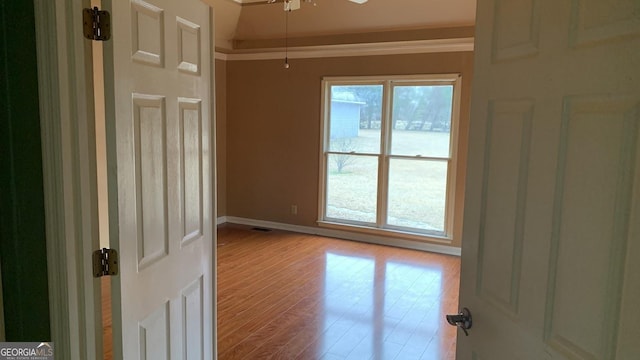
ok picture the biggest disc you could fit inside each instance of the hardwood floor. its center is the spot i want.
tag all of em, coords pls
(293, 296)
(107, 329)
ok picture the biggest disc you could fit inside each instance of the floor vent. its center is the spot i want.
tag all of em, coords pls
(260, 229)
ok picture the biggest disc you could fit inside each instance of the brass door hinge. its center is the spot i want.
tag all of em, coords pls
(96, 24)
(105, 262)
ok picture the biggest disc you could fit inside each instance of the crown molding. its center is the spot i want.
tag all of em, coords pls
(345, 50)
(220, 56)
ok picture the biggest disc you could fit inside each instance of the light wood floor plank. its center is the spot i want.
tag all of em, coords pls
(291, 296)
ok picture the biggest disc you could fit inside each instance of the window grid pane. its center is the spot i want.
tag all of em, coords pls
(351, 192)
(421, 120)
(417, 194)
(355, 118)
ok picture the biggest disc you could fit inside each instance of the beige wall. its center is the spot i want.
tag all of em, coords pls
(273, 129)
(221, 135)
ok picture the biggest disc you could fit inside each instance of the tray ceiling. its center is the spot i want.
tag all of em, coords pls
(255, 19)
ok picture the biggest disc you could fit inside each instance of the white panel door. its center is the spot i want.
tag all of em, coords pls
(551, 238)
(157, 75)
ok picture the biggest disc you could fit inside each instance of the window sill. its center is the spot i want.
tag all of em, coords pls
(397, 234)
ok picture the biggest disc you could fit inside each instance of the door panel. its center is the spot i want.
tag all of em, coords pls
(502, 222)
(150, 142)
(153, 339)
(590, 219)
(191, 155)
(158, 99)
(551, 209)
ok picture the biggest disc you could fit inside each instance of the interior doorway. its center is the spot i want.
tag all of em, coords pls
(102, 187)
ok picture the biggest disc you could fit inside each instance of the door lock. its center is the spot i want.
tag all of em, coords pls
(461, 320)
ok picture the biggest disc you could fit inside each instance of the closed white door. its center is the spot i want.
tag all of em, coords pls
(551, 237)
(160, 156)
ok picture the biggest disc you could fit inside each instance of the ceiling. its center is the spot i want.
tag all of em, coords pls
(255, 20)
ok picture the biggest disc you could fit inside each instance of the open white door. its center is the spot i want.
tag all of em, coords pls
(159, 144)
(551, 238)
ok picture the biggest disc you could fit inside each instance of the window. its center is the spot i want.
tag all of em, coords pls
(388, 153)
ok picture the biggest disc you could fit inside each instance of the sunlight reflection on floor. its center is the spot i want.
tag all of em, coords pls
(378, 307)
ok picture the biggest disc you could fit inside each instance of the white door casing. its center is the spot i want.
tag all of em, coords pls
(160, 156)
(552, 209)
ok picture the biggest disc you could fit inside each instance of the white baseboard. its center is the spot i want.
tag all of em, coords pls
(347, 235)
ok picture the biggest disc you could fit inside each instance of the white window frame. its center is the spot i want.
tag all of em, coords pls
(381, 228)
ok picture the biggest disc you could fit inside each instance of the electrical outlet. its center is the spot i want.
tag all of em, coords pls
(294, 209)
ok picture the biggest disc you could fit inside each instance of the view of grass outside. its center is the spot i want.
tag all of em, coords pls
(417, 194)
(418, 155)
(352, 192)
(417, 188)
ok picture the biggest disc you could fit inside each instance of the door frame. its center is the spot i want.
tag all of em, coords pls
(65, 86)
